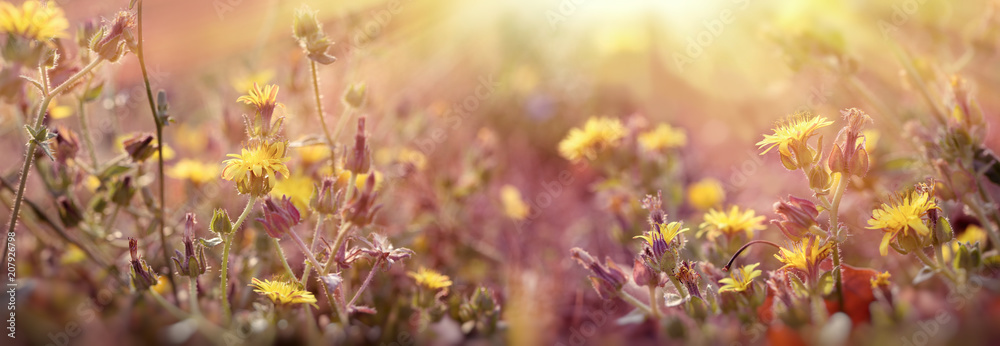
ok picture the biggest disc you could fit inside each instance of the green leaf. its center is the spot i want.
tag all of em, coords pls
(93, 93)
(924, 274)
(113, 171)
(210, 242)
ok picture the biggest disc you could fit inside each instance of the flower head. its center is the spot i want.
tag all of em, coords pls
(688, 276)
(263, 100)
(731, 224)
(279, 216)
(430, 279)
(196, 172)
(804, 256)
(607, 278)
(282, 293)
(666, 232)
(705, 194)
(662, 137)
(34, 20)
(309, 32)
(255, 170)
(597, 135)
(513, 204)
(880, 280)
(741, 279)
(661, 249)
(904, 214)
(111, 41)
(791, 136)
(143, 277)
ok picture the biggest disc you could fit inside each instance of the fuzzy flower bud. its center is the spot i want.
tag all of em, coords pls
(69, 213)
(112, 40)
(140, 146)
(279, 216)
(124, 190)
(355, 95)
(359, 159)
(143, 277)
(361, 209)
(307, 29)
(852, 157)
(797, 217)
(192, 262)
(221, 223)
(326, 200)
(607, 278)
(643, 275)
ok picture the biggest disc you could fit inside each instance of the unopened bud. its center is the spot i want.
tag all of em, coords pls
(111, 41)
(124, 191)
(355, 95)
(359, 159)
(220, 222)
(819, 179)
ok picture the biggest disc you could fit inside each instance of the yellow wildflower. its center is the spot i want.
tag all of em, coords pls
(311, 154)
(194, 171)
(804, 256)
(513, 205)
(880, 280)
(902, 214)
(662, 137)
(255, 170)
(34, 20)
(282, 293)
(298, 188)
(263, 99)
(668, 231)
(730, 224)
(597, 135)
(741, 279)
(705, 194)
(796, 129)
(430, 279)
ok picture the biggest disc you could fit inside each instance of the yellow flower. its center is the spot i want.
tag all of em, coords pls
(668, 231)
(262, 99)
(795, 130)
(162, 285)
(705, 194)
(513, 205)
(256, 168)
(297, 187)
(804, 256)
(33, 20)
(740, 279)
(880, 280)
(662, 137)
(902, 214)
(194, 171)
(597, 135)
(282, 293)
(430, 279)
(730, 224)
(311, 154)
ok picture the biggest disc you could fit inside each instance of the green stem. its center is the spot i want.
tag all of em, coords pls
(654, 301)
(312, 247)
(193, 295)
(368, 280)
(227, 242)
(835, 231)
(159, 144)
(281, 256)
(933, 265)
(628, 298)
(33, 145)
(319, 104)
(345, 116)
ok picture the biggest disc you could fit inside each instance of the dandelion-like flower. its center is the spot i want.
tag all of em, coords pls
(196, 172)
(597, 135)
(255, 170)
(513, 205)
(804, 256)
(904, 214)
(282, 293)
(662, 137)
(660, 250)
(34, 20)
(705, 194)
(741, 279)
(667, 232)
(731, 224)
(791, 136)
(263, 100)
(430, 279)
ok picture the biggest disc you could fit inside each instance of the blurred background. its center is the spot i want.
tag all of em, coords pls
(529, 70)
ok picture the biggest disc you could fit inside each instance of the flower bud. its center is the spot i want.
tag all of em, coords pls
(69, 213)
(221, 223)
(309, 32)
(607, 278)
(124, 190)
(858, 165)
(359, 159)
(279, 216)
(836, 161)
(143, 277)
(355, 95)
(110, 42)
(361, 208)
(643, 275)
(140, 146)
(819, 179)
(192, 262)
(326, 199)
(797, 217)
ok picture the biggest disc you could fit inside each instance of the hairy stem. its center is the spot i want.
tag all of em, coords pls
(305, 250)
(227, 242)
(193, 295)
(281, 256)
(319, 104)
(33, 145)
(368, 280)
(312, 247)
(835, 231)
